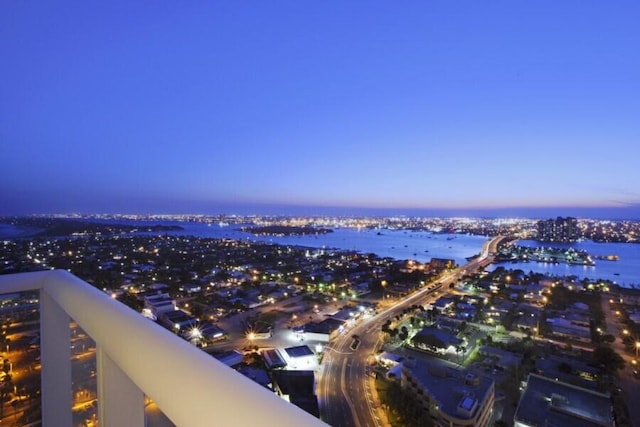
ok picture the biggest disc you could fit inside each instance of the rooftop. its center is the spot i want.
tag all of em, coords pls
(452, 388)
(546, 402)
(299, 351)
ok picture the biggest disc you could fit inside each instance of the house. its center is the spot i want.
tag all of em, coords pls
(190, 288)
(322, 331)
(566, 329)
(435, 340)
(273, 358)
(212, 332)
(300, 358)
(157, 304)
(177, 320)
(442, 304)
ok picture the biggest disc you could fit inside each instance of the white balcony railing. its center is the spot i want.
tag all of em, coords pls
(137, 357)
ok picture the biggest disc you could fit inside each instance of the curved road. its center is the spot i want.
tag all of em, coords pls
(346, 390)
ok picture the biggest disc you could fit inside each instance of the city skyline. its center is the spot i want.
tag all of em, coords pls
(429, 109)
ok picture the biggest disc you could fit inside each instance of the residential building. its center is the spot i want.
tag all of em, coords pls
(548, 402)
(439, 264)
(562, 230)
(155, 305)
(453, 397)
(566, 329)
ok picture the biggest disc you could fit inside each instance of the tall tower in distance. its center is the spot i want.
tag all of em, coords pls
(561, 230)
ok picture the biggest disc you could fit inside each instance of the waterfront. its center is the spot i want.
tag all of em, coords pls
(405, 244)
(625, 271)
(398, 244)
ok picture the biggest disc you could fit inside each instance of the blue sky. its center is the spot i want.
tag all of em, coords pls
(464, 107)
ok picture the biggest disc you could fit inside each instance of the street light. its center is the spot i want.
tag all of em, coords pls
(637, 347)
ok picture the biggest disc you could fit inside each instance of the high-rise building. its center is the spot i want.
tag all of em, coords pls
(562, 230)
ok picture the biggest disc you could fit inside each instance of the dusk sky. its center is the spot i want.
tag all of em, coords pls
(455, 107)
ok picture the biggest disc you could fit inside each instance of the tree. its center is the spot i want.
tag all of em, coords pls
(607, 359)
(608, 338)
(375, 285)
(463, 326)
(386, 327)
(428, 341)
(404, 333)
(565, 368)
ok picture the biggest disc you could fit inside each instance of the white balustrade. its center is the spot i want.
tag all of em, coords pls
(136, 357)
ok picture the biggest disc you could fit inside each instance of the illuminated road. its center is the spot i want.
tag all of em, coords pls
(345, 387)
(629, 385)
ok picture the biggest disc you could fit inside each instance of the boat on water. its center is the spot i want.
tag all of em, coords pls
(608, 257)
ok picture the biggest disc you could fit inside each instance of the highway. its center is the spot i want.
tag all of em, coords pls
(346, 390)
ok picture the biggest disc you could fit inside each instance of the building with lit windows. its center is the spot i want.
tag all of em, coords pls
(562, 230)
(453, 397)
(439, 264)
